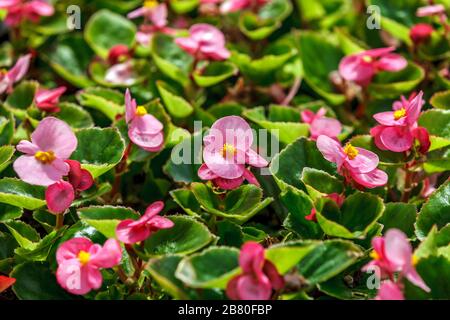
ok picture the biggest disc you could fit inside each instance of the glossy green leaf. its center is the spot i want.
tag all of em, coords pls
(437, 122)
(20, 194)
(214, 73)
(399, 216)
(6, 153)
(441, 100)
(8, 212)
(75, 116)
(107, 101)
(177, 106)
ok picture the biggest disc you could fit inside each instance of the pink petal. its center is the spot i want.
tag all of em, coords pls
(330, 149)
(55, 135)
(392, 62)
(205, 173)
(121, 74)
(136, 13)
(377, 52)
(255, 160)
(233, 130)
(70, 249)
(156, 223)
(249, 288)
(389, 291)
(232, 291)
(27, 147)
(130, 106)
(49, 96)
(251, 257)
(398, 250)
(41, 8)
(422, 135)
(20, 68)
(148, 142)
(276, 280)
(325, 126)
(224, 168)
(431, 10)
(147, 124)
(72, 277)
(59, 196)
(375, 132)
(397, 139)
(412, 275)
(388, 119)
(248, 175)
(108, 256)
(364, 162)
(375, 178)
(187, 44)
(154, 209)
(228, 184)
(34, 172)
(158, 15)
(414, 108)
(307, 116)
(352, 69)
(129, 233)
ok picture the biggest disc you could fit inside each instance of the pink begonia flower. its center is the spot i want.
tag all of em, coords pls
(420, 33)
(433, 10)
(393, 253)
(363, 66)
(205, 42)
(59, 196)
(237, 5)
(355, 164)
(79, 263)
(119, 53)
(389, 291)
(321, 125)
(43, 161)
(19, 10)
(398, 128)
(227, 151)
(144, 130)
(15, 74)
(156, 21)
(336, 197)
(121, 74)
(130, 231)
(48, 100)
(6, 282)
(259, 276)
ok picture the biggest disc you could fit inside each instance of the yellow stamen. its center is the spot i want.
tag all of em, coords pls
(367, 59)
(400, 113)
(150, 4)
(350, 151)
(84, 257)
(228, 150)
(414, 260)
(141, 111)
(46, 157)
(374, 255)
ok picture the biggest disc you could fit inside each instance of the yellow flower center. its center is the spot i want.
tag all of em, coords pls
(228, 150)
(414, 260)
(374, 255)
(141, 111)
(400, 113)
(367, 59)
(84, 257)
(150, 4)
(350, 151)
(46, 157)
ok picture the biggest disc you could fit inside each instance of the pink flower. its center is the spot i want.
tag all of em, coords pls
(259, 276)
(421, 33)
(390, 291)
(144, 129)
(157, 14)
(237, 5)
(205, 42)
(321, 125)
(43, 161)
(121, 74)
(7, 79)
(226, 153)
(393, 253)
(119, 53)
(156, 17)
(398, 128)
(433, 10)
(59, 197)
(131, 231)
(362, 67)
(355, 164)
(80, 179)
(6, 282)
(48, 100)
(80, 261)
(19, 10)
(336, 197)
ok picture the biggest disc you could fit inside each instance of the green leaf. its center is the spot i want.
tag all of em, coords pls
(287, 132)
(322, 181)
(327, 260)
(185, 198)
(75, 116)
(41, 250)
(183, 6)
(435, 243)
(186, 236)
(104, 154)
(162, 270)
(105, 29)
(7, 245)
(171, 59)
(7, 126)
(214, 73)
(287, 255)
(288, 165)
(35, 281)
(176, 105)
(212, 268)
(8, 212)
(140, 72)
(349, 222)
(441, 100)
(24, 234)
(436, 211)
(70, 58)
(256, 28)
(392, 84)
(437, 122)
(106, 218)
(107, 101)
(399, 216)
(396, 29)
(22, 97)
(20, 194)
(238, 205)
(317, 71)
(6, 153)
